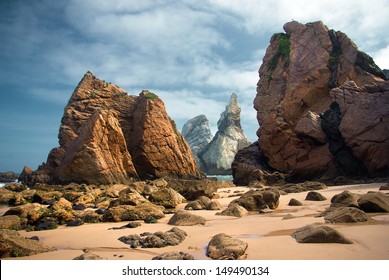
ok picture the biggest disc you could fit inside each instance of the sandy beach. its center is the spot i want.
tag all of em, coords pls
(268, 235)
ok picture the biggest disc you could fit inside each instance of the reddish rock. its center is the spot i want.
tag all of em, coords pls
(298, 72)
(107, 136)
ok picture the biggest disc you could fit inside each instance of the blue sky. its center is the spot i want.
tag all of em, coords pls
(193, 54)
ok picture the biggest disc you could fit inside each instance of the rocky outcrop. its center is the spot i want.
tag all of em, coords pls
(107, 136)
(299, 70)
(218, 155)
(198, 135)
(12, 244)
(9, 176)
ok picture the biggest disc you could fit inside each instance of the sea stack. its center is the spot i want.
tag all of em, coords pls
(107, 136)
(322, 107)
(218, 155)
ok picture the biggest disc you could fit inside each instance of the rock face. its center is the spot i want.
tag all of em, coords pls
(198, 135)
(107, 136)
(299, 70)
(218, 155)
(6, 177)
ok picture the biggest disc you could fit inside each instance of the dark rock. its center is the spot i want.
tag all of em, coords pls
(319, 234)
(100, 211)
(250, 165)
(315, 196)
(15, 187)
(255, 200)
(193, 189)
(302, 187)
(46, 226)
(79, 207)
(294, 202)
(384, 188)
(346, 215)
(374, 202)
(185, 218)
(155, 240)
(12, 244)
(345, 199)
(9, 176)
(223, 246)
(150, 220)
(174, 256)
(166, 197)
(75, 223)
(91, 217)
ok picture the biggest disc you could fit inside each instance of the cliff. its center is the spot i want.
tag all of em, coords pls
(300, 90)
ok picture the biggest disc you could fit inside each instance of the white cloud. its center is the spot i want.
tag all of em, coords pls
(381, 58)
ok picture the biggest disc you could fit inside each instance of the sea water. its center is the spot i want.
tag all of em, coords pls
(221, 177)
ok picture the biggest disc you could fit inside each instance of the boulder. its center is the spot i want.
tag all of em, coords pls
(15, 187)
(166, 197)
(294, 202)
(6, 196)
(31, 212)
(132, 213)
(374, 202)
(223, 246)
(302, 187)
(255, 200)
(250, 167)
(214, 205)
(218, 155)
(185, 218)
(234, 210)
(12, 244)
(128, 198)
(319, 234)
(345, 215)
(88, 256)
(62, 203)
(315, 196)
(10, 222)
(193, 189)
(174, 256)
(155, 240)
(345, 199)
(113, 191)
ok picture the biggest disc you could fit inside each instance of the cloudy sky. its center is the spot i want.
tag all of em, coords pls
(193, 54)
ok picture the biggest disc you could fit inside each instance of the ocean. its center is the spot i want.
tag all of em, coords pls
(221, 177)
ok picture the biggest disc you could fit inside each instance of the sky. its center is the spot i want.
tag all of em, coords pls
(192, 54)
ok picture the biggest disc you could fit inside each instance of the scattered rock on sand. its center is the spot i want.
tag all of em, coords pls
(185, 218)
(234, 210)
(346, 215)
(295, 202)
(174, 256)
(132, 213)
(225, 247)
(256, 200)
(319, 234)
(88, 256)
(155, 240)
(345, 199)
(374, 202)
(315, 196)
(12, 244)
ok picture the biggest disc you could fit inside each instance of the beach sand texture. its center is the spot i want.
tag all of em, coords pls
(268, 235)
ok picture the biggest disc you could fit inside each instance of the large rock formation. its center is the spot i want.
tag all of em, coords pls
(198, 135)
(218, 155)
(108, 136)
(308, 131)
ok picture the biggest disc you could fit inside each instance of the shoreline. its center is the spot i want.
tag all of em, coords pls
(267, 235)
